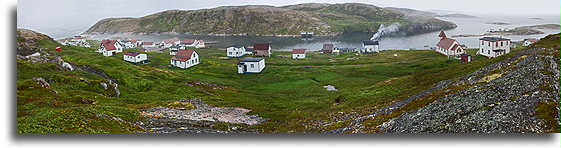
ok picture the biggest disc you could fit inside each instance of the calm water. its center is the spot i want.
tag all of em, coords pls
(354, 40)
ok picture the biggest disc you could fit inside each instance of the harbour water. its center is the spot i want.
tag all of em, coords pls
(466, 26)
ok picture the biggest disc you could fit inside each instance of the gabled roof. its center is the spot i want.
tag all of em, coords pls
(442, 35)
(531, 40)
(183, 54)
(262, 46)
(328, 47)
(369, 42)
(298, 51)
(251, 59)
(171, 41)
(108, 44)
(131, 53)
(446, 43)
(494, 39)
(175, 47)
(147, 43)
(188, 41)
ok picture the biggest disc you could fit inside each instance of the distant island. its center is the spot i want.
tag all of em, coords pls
(524, 30)
(260, 20)
(498, 23)
(527, 30)
(457, 15)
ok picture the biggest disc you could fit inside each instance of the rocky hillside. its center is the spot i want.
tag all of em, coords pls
(323, 19)
(517, 95)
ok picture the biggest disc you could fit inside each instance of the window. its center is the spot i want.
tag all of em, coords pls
(252, 66)
(482, 43)
(502, 43)
(488, 51)
(230, 53)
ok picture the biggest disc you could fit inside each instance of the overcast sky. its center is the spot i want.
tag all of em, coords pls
(41, 14)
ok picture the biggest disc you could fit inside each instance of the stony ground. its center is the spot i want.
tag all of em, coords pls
(500, 98)
(198, 120)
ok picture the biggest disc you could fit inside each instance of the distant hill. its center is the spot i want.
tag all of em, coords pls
(323, 19)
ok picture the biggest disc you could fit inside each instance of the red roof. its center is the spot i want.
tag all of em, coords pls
(171, 41)
(442, 34)
(79, 37)
(134, 40)
(532, 40)
(183, 55)
(108, 44)
(147, 43)
(454, 47)
(188, 41)
(263, 46)
(446, 43)
(298, 51)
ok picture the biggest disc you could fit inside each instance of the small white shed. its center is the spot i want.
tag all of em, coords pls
(251, 65)
(135, 57)
(235, 51)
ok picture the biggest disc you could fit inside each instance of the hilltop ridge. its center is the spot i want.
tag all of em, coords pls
(323, 19)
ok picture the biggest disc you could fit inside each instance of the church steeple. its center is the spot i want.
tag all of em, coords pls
(442, 35)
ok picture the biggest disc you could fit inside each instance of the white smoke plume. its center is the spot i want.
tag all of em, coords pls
(385, 30)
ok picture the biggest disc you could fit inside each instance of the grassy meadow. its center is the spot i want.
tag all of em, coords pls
(288, 92)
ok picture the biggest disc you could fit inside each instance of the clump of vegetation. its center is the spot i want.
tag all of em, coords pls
(548, 111)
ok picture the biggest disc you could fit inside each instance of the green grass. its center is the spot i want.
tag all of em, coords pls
(288, 91)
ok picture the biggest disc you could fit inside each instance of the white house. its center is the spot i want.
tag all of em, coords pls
(173, 49)
(148, 45)
(298, 53)
(493, 46)
(370, 46)
(201, 44)
(129, 44)
(110, 47)
(235, 51)
(76, 41)
(185, 58)
(192, 43)
(448, 46)
(135, 57)
(137, 42)
(170, 42)
(529, 41)
(251, 65)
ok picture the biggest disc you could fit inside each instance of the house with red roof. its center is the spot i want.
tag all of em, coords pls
(192, 43)
(493, 46)
(110, 47)
(135, 57)
(170, 42)
(262, 49)
(327, 48)
(529, 41)
(448, 46)
(298, 53)
(185, 58)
